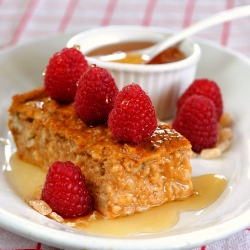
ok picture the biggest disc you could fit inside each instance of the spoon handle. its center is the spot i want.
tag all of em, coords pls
(201, 25)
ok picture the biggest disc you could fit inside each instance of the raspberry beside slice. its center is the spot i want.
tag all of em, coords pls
(133, 117)
(95, 95)
(62, 73)
(204, 87)
(197, 121)
(65, 190)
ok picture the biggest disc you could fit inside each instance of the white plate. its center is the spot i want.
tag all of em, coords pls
(20, 70)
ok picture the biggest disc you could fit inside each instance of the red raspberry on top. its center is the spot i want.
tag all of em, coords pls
(206, 88)
(95, 95)
(197, 121)
(65, 190)
(62, 73)
(133, 117)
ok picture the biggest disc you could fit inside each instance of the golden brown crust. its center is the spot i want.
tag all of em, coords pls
(122, 178)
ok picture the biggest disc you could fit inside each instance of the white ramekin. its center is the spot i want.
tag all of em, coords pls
(164, 83)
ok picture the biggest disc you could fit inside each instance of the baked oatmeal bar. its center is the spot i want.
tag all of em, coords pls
(123, 179)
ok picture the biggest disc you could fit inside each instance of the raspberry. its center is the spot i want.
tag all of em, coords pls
(62, 73)
(65, 190)
(197, 121)
(133, 118)
(95, 96)
(206, 88)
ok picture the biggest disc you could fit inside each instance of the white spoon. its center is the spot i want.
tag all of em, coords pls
(146, 55)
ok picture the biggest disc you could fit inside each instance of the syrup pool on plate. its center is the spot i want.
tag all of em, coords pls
(26, 178)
